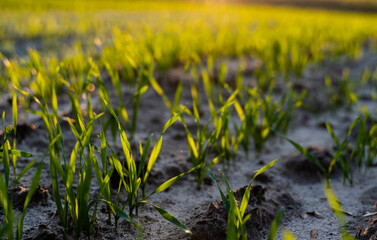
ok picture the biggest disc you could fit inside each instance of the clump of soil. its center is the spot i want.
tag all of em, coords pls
(212, 223)
(368, 232)
(263, 178)
(304, 171)
(19, 196)
(22, 131)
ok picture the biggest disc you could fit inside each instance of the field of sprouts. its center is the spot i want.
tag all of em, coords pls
(187, 120)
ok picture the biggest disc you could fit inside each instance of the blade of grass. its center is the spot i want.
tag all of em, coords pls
(246, 196)
(288, 235)
(169, 217)
(32, 189)
(172, 180)
(23, 172)
(275, 225)
(223, 197)
(119, 212)
(156, 149)
(302, 150)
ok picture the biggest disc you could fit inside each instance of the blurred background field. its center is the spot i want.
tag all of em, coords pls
(236, 71)
(170, 33)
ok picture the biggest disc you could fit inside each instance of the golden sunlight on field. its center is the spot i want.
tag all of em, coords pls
(188, 119)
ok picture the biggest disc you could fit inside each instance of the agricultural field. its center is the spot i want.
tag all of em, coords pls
(188, 120)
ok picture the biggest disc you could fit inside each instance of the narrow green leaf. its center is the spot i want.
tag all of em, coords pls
(18, 153)
(223, 197)
(169, 217)
(32, 189)
(263, 169)
(73, 129)
(118, 166)
(213, 162)
(172, 120)
(111, 110)
(6, 162)
(191, 144)
(275, 225)
(336, 207)
(54, 99)
(144, 153)
(14, 112)
(232, 199)
(160, 92)
(102, 188)
(246, 196)
(4, 198)
(302, 150)
(119, 212)
(172, 180)
(239, 110)
(337, 155)
(288, 235)
(152, 159)
(178, 95)
(353, 124)
(333, 136)
(23, 172)
(231, 227)
(72, 165)
(81, 123)
(3, 230)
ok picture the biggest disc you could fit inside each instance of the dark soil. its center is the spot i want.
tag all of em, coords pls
(304, 171)
(212, 223)
(369, 231)
(19, 196)
(293, 183)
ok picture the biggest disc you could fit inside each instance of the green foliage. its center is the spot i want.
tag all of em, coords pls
(340, 156)
(336, 207)
(32, 189)
(8, 157)
(342, 92)
(261, 113)
(129, 53)
(275, 225)
(236, 219)
(303, 151)
(133, 178)
(173, 107)
(74, 204)
(287, 235)
(364, 149)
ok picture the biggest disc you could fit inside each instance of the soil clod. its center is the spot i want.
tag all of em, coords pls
(19, 196)
(368, 232)
(304, 171)
(212, 223)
